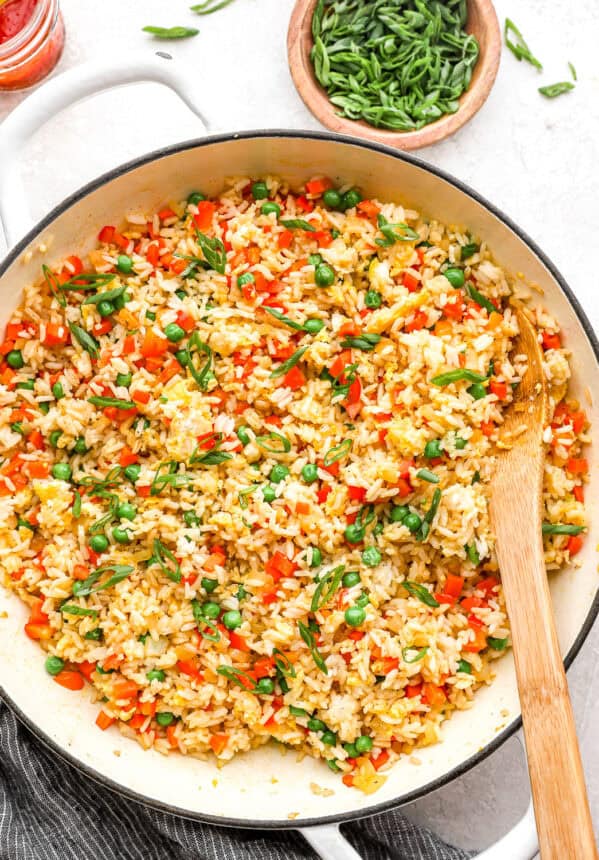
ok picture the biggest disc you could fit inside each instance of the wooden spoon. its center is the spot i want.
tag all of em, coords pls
(482, 22)
(561, 806)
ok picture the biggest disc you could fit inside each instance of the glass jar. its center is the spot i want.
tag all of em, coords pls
(31, 53)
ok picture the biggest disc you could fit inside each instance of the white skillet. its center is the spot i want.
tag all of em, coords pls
(264, 789)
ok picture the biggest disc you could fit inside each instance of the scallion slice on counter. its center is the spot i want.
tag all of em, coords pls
(553, 90)
(519, 48)
(171, 32)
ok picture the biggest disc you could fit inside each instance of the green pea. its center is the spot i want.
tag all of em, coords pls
(174, 332)
(477, 390)
(315, 259)
(316, 725)
(433, 449)
(15, 359)
(132, 472)
(165, 718)
(354, 616)
(243, 435)
(265, 686)
(232, 619)
(354, 533)
(246, 278)
(126, 511)
(313, 326)
(124, 264)
(98, 543)
(121, 535)
(209, 585)
(150, 315)
(398, 513)
(80, 447)
(27, 385)
(54, 437)
(329, 738)
(62, 471)
(316, 557)
(351, 578)
(211, 610)
(58, 390)
(371, 556)
(194, 198)
(94, 635)
(363, 744)
(105, 308)
(259, 190)
(53, 665)
(182, 357)
(155, 675)
(455, 276)
(363, 600)
(378, 529)
(350, 199)
(372, 299)
(310, 473)
(460, 443)
(270, 207)
(324, 275)
(191, 519)
(351, 750)
(44, 407)
(332, 198)
(278, 473)
(120, 301)
(412, 522)
(269, 494)
(123, 380)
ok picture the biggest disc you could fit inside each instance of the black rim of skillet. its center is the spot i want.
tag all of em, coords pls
(502, 736)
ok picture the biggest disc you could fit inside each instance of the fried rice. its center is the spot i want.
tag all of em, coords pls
(246, 455)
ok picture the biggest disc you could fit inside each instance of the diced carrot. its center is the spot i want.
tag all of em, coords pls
(263, 666)
(252, 256)
(323, 493)
(499, 388)
(303, 204)
(80, 571)
(551, 341)
(453, 309)
(332, 468)
(148, 709)
(316, 187)
(488, 585)
(285, 239)
(574, 544)
(350, 328)
(578, 492)
(206, 210)
(37, 469)
(404, 488)
(38, 631)
(70, 680)
(139, 396)
(87, 669)
(368, 208)
(380, 760)
(411, 282)
(418, 322)
(279, 566)
(453, 585)
(389, 664)
(106, 234)
(434, 695)
(577, 466)
(347, 779)
(102, 327)
(186, 321)
(127, 457)
(294, 379)
(413, 690)
(171, 735)
(578, 419)
(136, 721)
(356, 494)
(237, 641)
(104, 721)
(446, 599)
(356, 635)
(469, 603)
(36, 614)
(487, 428)
(218, 742)
(340, 363)
(323, 238)
(129, 344)
(113, 661)
(166, 213)
(302, 508)
(153, 254)
(153, 345)
(480, 640)
(55, 335)
(189, 667)
(495, 320)
(123, 688)
(36, 439)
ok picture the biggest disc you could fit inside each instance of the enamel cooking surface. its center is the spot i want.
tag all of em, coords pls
(266, 787)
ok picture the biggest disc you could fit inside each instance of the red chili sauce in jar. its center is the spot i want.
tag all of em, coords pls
(31, 41)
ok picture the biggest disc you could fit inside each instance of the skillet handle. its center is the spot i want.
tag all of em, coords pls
(60, 92)
(520, 843)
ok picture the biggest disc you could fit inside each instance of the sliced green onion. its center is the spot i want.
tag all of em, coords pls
(326, 588)
(161, 554)
(413, 655)
(419, 591)
(282, 369)
(427, 475)
(298, 224)
(339, 451)
(283, 445)
(457, 375)
(308, 637)
(85, 340)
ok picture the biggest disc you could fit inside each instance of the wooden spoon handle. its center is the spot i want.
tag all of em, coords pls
(562, 811)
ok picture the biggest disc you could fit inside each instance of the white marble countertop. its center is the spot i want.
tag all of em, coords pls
(536, 159)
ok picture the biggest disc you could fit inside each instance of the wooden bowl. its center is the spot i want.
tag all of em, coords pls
(482, 23)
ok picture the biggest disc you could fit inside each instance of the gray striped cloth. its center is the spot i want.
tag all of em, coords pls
(49, 811)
